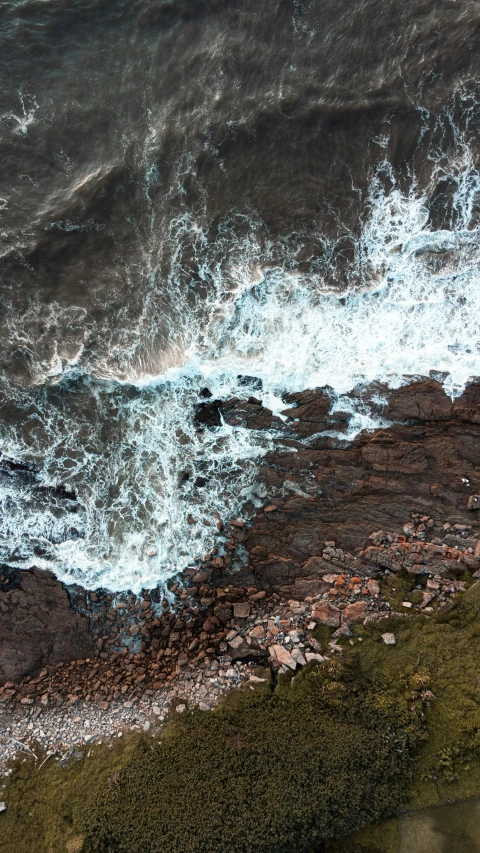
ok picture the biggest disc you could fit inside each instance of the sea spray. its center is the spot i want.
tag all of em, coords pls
(150, 484)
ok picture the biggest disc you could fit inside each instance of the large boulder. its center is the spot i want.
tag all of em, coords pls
(38, 625)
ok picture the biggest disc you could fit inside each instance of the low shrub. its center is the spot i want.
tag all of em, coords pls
(326, 752)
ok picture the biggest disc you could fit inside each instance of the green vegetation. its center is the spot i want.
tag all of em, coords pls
(444, 653)
(441, 657)
(323, 633)
(46, 803)
(330, 750)
(380, 838)
(326, 752)
(402, 587)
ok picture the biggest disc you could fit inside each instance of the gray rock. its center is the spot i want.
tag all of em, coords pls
(298, 657)
(344, 631)
(311, 656)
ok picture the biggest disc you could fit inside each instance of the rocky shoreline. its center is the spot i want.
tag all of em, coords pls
(340, 523)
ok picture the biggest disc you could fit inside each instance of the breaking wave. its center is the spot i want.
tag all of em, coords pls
(148, 484)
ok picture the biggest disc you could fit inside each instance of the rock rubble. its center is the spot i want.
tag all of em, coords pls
(155, 657)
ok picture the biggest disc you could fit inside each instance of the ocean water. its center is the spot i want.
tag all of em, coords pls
(192, 194)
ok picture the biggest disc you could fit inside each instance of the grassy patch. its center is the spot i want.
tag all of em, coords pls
(436, 660)
(323, 633)
(403, 587)
(380, 838)
(444, 651)
(45, 804)
(326, 752)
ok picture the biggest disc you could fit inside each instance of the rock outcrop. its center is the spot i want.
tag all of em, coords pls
(425, 464)
(38, 625)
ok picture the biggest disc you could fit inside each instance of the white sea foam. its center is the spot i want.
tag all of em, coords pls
(21, 122)
(131, 448)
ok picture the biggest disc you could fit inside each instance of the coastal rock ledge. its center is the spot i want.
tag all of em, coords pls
(400, 497)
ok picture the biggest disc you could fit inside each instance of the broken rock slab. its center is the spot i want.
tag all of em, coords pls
(327, 614)
(241, 610)
(283, 656)
(354, 613)
(298, 657)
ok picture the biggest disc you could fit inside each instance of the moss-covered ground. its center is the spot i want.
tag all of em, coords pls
(333, 749)
(444, 652)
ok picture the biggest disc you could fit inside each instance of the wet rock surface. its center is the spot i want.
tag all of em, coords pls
(427, 465)
(338, 520)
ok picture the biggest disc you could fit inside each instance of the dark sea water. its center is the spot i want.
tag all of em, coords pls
(192, 192)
